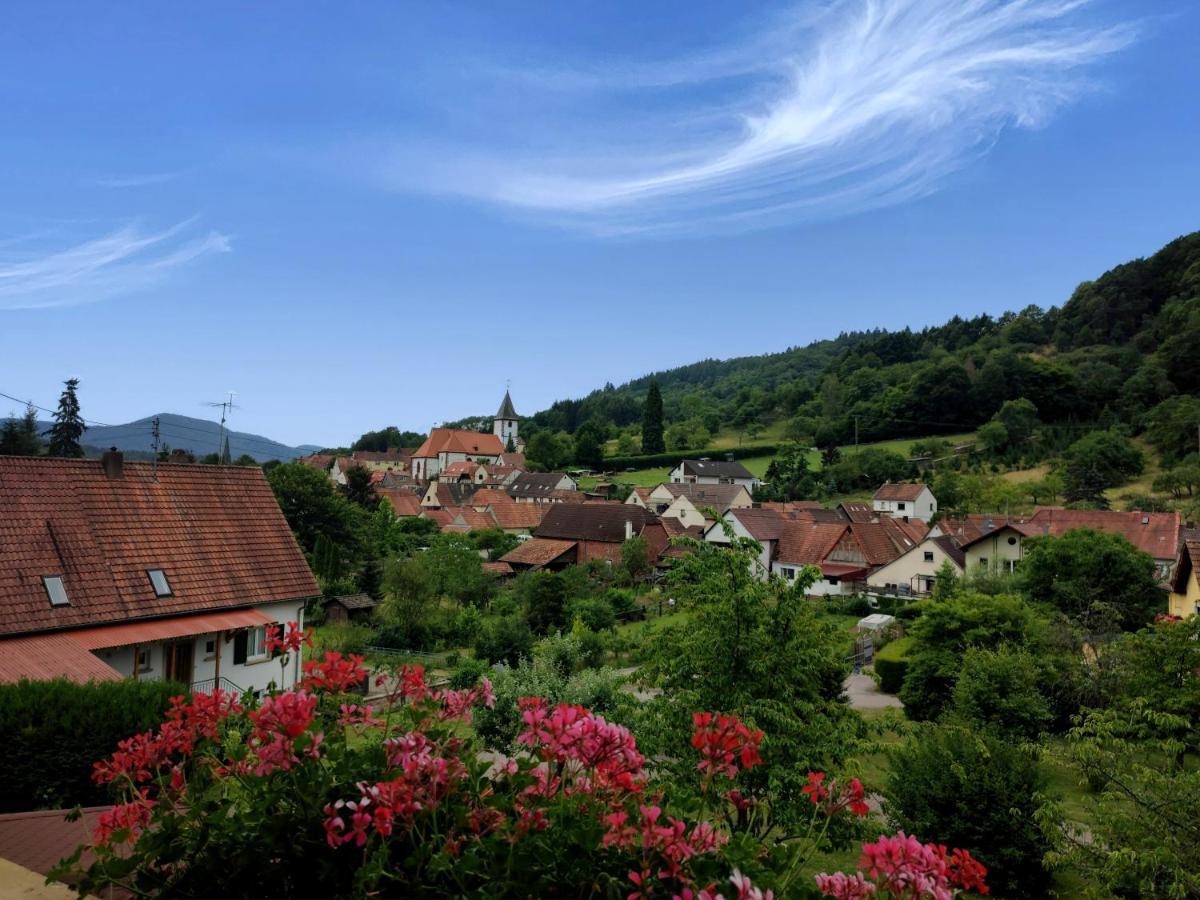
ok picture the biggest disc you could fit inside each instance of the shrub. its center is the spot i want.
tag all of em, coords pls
(1000, 689)
(505, 640)
(975, 791)
(54, 731)
(597, 614)
(468, 673)
(891, 664)
(344, 637)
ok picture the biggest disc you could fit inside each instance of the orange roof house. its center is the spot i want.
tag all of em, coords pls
(152, 571)
(449, 445)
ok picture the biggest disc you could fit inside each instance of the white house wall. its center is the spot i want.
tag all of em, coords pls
(256, 675)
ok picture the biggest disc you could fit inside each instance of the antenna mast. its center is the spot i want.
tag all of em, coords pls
(226, 406)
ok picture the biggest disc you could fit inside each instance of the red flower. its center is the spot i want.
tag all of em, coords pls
(836, 797)
(723, 742)
(290, 642)
(124, 821)
(334, 673)
(902, 866)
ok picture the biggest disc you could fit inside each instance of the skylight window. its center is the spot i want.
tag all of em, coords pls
(158, 580)
(55, 590)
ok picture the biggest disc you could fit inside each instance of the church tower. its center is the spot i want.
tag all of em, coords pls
(505, 424)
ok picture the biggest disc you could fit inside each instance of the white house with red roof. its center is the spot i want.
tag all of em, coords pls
(910, 501)
(112, 569)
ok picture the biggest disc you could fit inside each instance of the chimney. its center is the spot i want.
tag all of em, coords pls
(113, 462)
(628, 529)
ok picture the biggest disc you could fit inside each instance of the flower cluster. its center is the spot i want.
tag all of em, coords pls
(901, 866)
(124, 822)
(664, 848)
(724, 743)
(289, 641)
(604, 752)
(278, 723)
(138, 758)
(335, 673)
(833, 797)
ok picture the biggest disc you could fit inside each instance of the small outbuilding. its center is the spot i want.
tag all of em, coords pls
(875, 623)
(349, 607)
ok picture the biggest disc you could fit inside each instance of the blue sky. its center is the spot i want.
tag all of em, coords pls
(365, 214)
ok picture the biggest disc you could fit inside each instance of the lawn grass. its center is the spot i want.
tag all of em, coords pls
(757, 465)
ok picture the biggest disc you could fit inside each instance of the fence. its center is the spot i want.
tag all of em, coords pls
(208, 685)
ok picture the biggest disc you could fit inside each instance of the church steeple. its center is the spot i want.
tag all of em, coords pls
(504, 425)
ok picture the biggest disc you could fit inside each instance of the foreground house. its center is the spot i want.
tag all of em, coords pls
(763, 525)
(846, 553)
(913, 501)
(713, 471)
(117, 570)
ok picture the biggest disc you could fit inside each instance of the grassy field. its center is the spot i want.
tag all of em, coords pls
(758, 464)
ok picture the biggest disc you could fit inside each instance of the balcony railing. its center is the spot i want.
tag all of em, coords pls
(208, 685)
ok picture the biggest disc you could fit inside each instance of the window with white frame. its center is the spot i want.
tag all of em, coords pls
(143, 659)
(256, 643)
(928, 556)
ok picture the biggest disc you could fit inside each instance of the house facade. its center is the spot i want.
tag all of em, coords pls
(914, 573)
(762, 525)
(540, 487)
(711, 471)
(131, 570)
(688, 501)
(1185, 580)
(912, 501)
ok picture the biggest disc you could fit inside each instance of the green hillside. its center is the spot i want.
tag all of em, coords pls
(1118, 356)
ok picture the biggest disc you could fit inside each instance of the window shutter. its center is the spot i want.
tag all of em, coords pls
(239, 648)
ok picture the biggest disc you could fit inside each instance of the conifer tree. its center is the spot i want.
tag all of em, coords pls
(652, 421)
(68, 425)
(20, 437)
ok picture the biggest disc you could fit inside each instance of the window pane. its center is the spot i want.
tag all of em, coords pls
(158, 580)
(55, 590)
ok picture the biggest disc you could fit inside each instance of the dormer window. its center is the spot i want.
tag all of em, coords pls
(55, 590)
(158, 580)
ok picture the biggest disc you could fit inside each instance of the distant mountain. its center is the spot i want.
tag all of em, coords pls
(198, 436)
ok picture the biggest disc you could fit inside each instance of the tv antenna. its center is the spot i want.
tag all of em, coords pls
(226, 406)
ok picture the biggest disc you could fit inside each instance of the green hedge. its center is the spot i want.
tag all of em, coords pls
(55, 730)
(891, 665)
(658, 460)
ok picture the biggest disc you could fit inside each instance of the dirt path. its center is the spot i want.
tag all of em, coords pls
(864, 693)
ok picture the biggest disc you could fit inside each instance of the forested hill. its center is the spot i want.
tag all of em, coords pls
(1119, 346)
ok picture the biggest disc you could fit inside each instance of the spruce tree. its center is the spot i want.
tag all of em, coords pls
(652, 421)
(19, 437)
(225, 458)
(68, 425)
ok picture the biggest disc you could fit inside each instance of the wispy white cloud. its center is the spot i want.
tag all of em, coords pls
(146, 179)
(124, 261)
(861, 104)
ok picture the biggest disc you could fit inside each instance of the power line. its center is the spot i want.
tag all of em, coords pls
(89, 422)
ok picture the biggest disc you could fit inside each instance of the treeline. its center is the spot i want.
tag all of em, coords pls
(1119, 349)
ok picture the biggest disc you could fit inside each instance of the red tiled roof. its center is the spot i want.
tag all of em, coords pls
(38, 840)
(145, 632)
(452, 440)
(1155, 533)
(905, 492)
(518, 515)
(515, 460)
(537, 552)
(319, 461)
(808, 542)
(494, 498)
(470, 517)
(40, 657)
(857, 512)
(593, 521)
(459, 470)
(787, 506)
(719, 496)
(762, 524)
(970, 528)
(215, 531)
(404, 503)
(499, 567)
(440, 515)
(883, 541)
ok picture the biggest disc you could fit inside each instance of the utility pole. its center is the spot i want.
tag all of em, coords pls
(856, 435)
